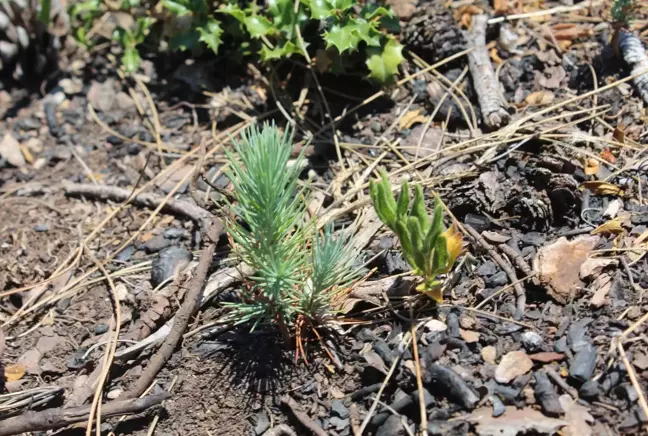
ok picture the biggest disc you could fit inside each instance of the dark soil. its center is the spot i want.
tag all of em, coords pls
(516, 193)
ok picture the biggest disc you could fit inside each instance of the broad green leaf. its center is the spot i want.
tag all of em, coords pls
(131, 59)
(383, 64)
(320, 9)
(366, 31)
(371, 11)
(44, 13)
(418, 209)
(176, 7)
(403, 201)
(342, 37)
(211, 34)
(258, 25)
(142, 29)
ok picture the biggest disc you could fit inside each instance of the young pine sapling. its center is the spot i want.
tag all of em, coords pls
(297, 270)
(428, 248)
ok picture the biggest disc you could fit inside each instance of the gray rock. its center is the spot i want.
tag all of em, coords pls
(498, 406)
(41, 228)
(156, 243)
(531, 341)
(169, 262)
(391, 427)
(428, 398)
(174, 233)
(339, 409)
(583, 365)
(487, 268)
(338, 423)
(498, 279)
(262, 422)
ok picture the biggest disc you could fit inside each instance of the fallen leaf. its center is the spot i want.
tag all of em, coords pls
(602, 188)
(594, 266)
(608, 156)
(552, 77)
(592, 167)
(641, 242)
(539, 98)
(501, 6)
(601, 287)
(569, 31)
(469, 336)
(546, 356)
(611, 226)
(558, 264)
(489, 354)
(411, 118)
(495, 57)
(619, 134)
(577, 417)
(514, 422)
(513, 364)
(10, 150)
(14, 372)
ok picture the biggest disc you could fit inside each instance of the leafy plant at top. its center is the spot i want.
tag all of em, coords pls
(271, 235)
(129, 40)
(428, 248)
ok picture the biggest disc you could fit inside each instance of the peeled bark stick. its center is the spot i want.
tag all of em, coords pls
(302, 417)
(189, 305)
(103, 192)
(493, 107)
(61, 417)
(634, 55)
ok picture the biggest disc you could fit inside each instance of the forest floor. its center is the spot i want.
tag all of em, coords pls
(543, 326)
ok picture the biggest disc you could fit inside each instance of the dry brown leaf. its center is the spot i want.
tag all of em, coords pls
(599, 187)
(495, 56)
(619, 134)
(14, 372)
(592, 167)
(411, 118)
(612, 226)
(569, 31)
(469, 336)
(607, 156)
(546, 356)
(539, 98)
(463, 15)
(514, 422)
(513, 364)
(501, 6)
(641, 242)
(577, 417)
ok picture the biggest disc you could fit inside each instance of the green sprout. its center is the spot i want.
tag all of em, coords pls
(623, 12)
(428, 248)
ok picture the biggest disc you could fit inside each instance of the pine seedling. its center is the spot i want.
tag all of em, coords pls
(296, 270)
(428, 248)
(623, 12)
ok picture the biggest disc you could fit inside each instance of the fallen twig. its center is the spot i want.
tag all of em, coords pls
(521, 264)
(103, 192)
(280, 430)
(493, 107)
(302, 417)
(506, 267)
(61, 417)
(634, 55)
(189, 305)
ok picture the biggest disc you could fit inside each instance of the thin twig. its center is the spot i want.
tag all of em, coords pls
(190, 304)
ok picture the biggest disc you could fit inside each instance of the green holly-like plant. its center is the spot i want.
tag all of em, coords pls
(428, 248)
(344, 35)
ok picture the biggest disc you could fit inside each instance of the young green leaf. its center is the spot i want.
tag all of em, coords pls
(342, 37)
(131, 59)
(258, 26)
(383, 63)
(403, 200)
(211, 34)
(418, 209)
(320, 9)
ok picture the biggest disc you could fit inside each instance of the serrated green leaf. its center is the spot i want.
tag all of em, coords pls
(131, 60)
(371, 11)
(341, 5)
(383, 64)
(257, 25)
(185, 41)
(342, 37)
(234, 11)
(320, 9)
(279, 52)
(283, 16)
(366, 31)
(211, 34)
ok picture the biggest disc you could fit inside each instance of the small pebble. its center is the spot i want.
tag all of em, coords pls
(498, 406)
(339, 409)
(41, 228)
(531, 340)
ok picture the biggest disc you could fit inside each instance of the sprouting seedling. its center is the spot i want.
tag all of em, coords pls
(428, 247)
(623, 12)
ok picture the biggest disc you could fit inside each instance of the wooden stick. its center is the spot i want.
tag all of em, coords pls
(61, 417)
